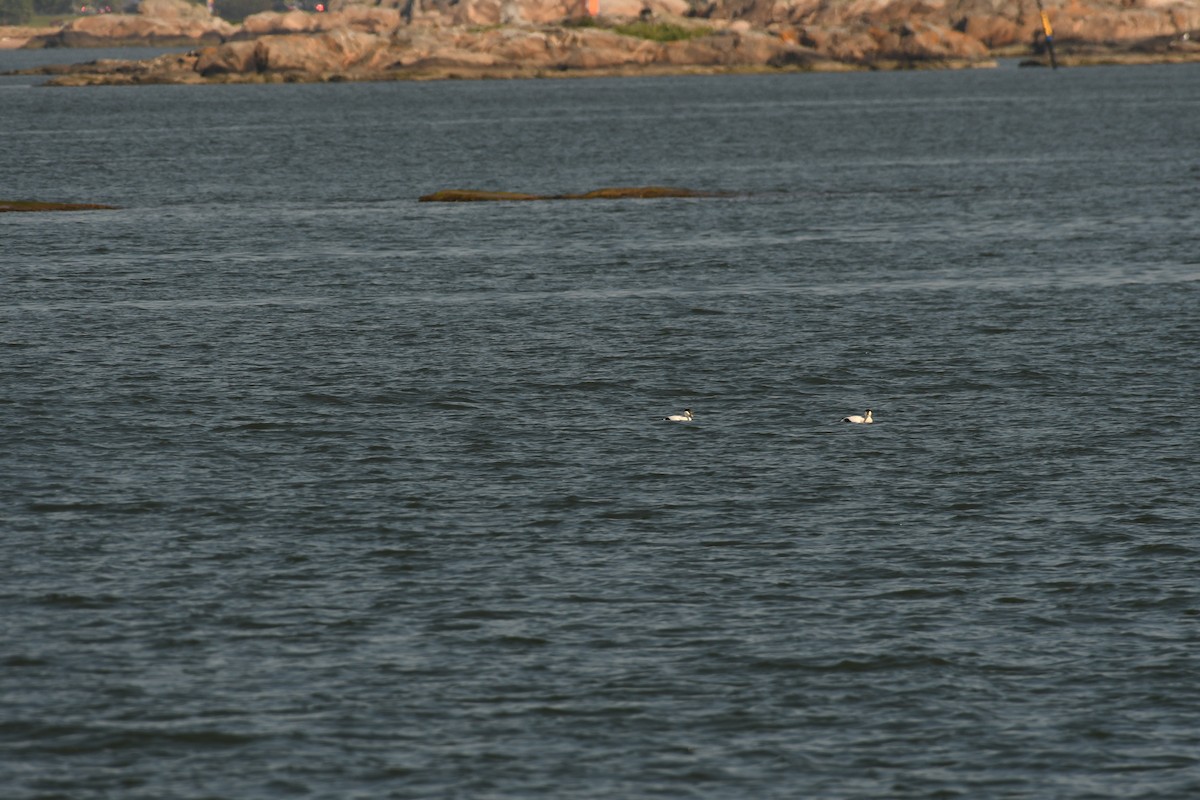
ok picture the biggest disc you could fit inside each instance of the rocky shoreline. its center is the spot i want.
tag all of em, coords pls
(438, 39)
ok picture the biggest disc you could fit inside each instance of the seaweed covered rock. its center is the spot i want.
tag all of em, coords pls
(41, 205)
(610, 193)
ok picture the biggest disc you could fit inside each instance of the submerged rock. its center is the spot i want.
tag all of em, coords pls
(38, 205)
(615, 193)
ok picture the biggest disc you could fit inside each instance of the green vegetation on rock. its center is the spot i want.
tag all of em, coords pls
(644, 29)
(661, 31)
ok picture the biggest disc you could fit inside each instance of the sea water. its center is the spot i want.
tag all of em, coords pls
(310, 489)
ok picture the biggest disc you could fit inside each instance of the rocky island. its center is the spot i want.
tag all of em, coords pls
(428, 39)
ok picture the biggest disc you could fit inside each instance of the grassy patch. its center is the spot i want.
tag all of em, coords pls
(49, 20)
(643, 29)
(661, 31)
(581, 22)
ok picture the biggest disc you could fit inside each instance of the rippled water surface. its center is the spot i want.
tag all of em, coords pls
(310, 489)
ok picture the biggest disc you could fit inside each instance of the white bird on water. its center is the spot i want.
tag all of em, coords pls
(686, 416)
(863, 420)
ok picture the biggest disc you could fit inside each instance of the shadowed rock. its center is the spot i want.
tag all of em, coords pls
(615, 193)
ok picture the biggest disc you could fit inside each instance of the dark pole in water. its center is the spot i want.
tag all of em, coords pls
(1049, 34)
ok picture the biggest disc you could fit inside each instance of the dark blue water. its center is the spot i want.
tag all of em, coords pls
(308, 489)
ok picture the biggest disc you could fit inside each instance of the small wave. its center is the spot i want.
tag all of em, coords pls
(632, 513)
(139, 739)
(522, 641)
(596, 385)
(296, 788)
(454, 405)
(1162, 549)
(1148, 518)
(390, 398)
(570, 501)
(559, 710)
(255, 426)
(857, 664)
(241, 622)
(52, 508)
(395, 552)
(544, 522)
(21, 660)
(377, 460)
(296, 428)
(69, 600)
(127, 507)
(921, 593)
(324, 399)
(488, 613)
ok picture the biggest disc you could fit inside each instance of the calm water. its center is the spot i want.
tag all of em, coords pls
(308, 489)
